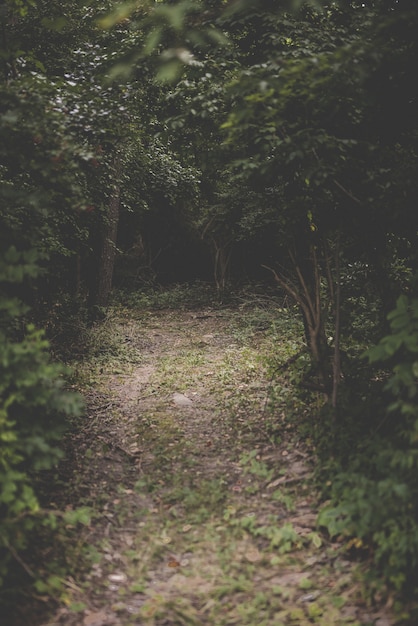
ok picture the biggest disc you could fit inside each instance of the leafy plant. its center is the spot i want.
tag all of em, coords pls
(34, 407)
(374, 499)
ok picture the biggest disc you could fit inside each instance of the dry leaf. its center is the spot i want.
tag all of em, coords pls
(186, 528)
(276, 482)
(95, 619)
(253, 555)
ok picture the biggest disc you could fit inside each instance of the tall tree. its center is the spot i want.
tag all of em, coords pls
(313, 123)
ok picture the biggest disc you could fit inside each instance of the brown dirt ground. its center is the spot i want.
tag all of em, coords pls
(201, 517)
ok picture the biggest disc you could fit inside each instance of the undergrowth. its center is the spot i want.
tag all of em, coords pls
(367, 464)
(197, 295)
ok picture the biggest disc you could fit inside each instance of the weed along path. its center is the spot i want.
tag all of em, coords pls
(204, 513)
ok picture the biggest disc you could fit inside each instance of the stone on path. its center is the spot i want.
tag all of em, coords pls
(180, 399)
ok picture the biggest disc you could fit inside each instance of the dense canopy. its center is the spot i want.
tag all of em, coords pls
(237, 142)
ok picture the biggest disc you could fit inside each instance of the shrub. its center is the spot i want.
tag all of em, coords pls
(34, 406)
(375, 500)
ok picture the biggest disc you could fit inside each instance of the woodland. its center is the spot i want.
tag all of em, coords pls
(240, 146)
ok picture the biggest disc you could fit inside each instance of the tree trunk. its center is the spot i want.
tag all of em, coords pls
(306, 292)
(336, 374)
(222, 259)
(107, 246)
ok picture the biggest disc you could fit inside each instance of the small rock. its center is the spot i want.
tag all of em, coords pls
(310, 597)
(117, 578)
(180, 399)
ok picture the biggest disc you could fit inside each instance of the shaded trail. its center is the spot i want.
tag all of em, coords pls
(204, 510)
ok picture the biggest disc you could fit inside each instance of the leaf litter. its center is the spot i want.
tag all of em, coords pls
(201, 517)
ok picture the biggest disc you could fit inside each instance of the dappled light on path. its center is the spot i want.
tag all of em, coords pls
(205, 513)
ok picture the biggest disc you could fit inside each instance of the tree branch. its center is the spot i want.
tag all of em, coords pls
(346, 191)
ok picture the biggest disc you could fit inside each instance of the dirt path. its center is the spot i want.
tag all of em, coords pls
(204, 510)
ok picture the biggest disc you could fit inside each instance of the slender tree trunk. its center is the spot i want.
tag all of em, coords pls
(100, 291)
(306, 292)
(336, 375)
(7, 60)
(222, 258)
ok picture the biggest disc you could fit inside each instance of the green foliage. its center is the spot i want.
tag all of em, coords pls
(307, 122)
(34, 407)
(177, 296)
(374, 499)
(267, 131)
(402, 346)
(42, 194)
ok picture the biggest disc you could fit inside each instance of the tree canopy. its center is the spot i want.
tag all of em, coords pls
(159, 141)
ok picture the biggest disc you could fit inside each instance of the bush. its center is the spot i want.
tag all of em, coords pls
(375, 500)
(34, 407)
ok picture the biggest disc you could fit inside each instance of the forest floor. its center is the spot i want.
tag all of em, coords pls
(204, 510)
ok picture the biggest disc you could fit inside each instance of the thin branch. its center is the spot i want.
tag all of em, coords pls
(288, 481)
(337, 355)
(290, 289)
(20, 561)
(317, 289)
(329, 275)
(297, 297)
(339, 185)
(208, 225)
(305, 289)
(346, 191)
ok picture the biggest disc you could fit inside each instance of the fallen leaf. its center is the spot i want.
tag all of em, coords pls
(186, 528)
(276, 482)
(95, 619)
(306, 520)
(253, 555)
(383, 621)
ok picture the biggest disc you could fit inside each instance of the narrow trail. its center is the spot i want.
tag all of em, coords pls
(205, 514)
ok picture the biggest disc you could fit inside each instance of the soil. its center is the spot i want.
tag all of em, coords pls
(204, 510)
